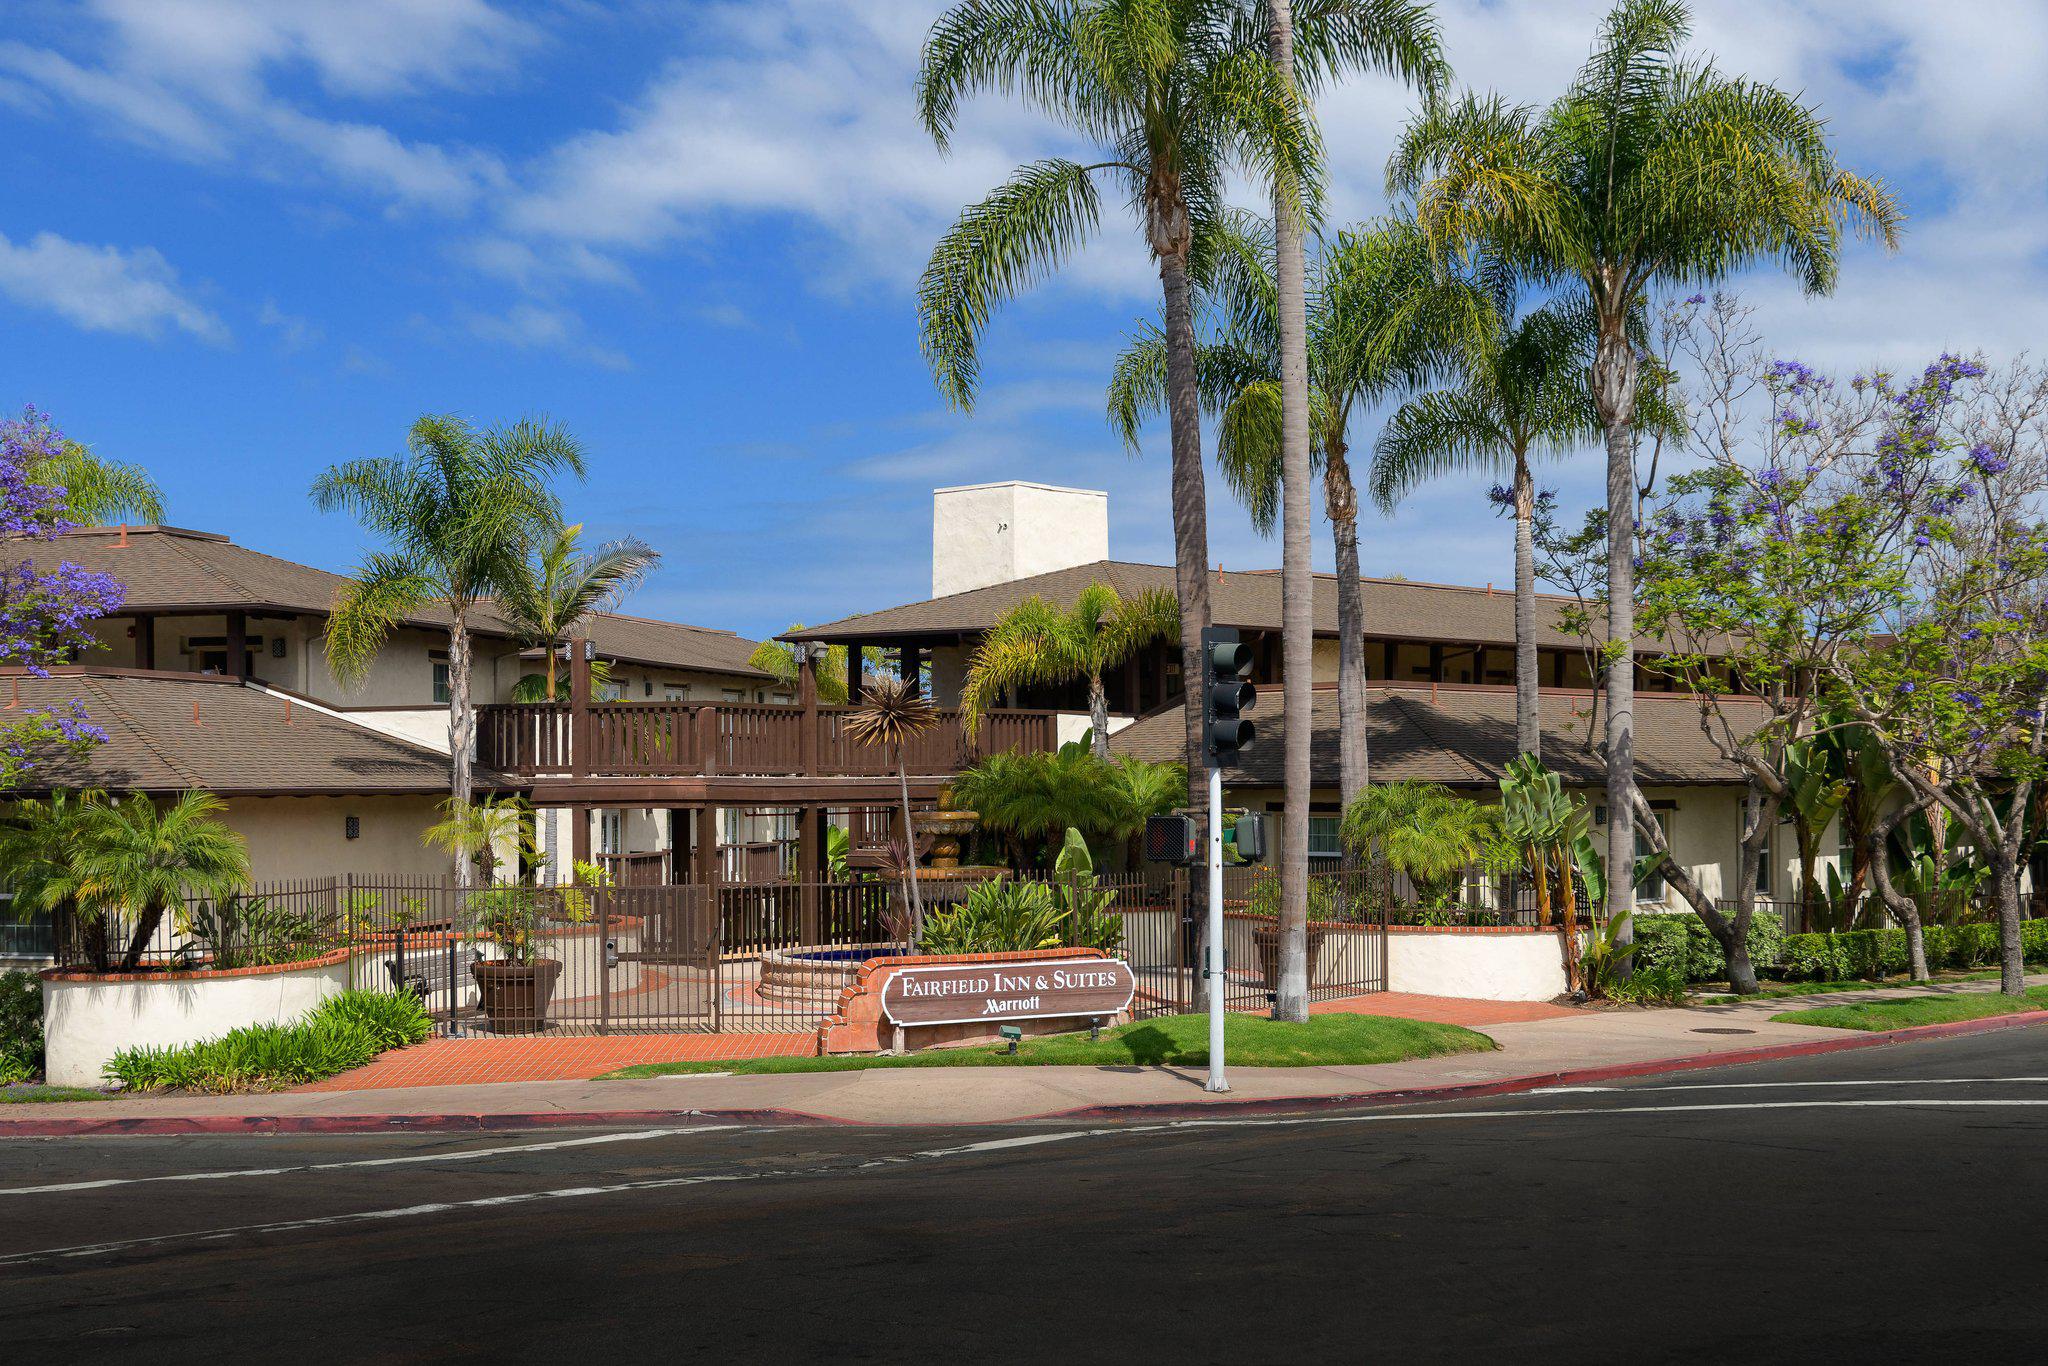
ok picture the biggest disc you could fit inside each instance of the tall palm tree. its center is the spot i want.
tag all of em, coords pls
(1524, 395)
(893, 713)
(39, 840)
(461, 510)
(1382, 320)
(1036, 642)
(142, 858)
(558, 585)
(99, 492)
(1401, 38)
(1650, 170)
(1177, 94)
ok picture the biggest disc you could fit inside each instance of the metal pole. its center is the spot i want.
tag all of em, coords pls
(1215, 973)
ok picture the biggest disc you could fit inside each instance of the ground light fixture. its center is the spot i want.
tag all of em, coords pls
(1012, 1035)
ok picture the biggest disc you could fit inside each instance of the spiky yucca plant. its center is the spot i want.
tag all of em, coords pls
(893, 713)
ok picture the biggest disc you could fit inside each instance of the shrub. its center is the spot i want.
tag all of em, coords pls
(1682, 942)
(21, 1027)
(1853, 955)
(996, 917)
(341, 1033)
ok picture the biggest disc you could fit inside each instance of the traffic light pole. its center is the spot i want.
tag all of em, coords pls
(1215, 972)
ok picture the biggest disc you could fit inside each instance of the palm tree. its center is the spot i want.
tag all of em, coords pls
(39, 840)
(98, 492)
(1383, 319)
(141, 858)
(559, 585)
(1400, 38)
(893, 712)
(461, 511)
(1649, 171)
(1038, 643)
(1523, 395)
(1424, 830)
(1177, 94)
(473, 831)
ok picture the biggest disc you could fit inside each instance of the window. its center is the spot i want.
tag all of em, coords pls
(611, 832)
(442, 692)
(676, 692)
(1322, 836)
(1764, 864)
(734, 694)
(209, 654)
(1652, 888)
(612, 691)
(783, 697)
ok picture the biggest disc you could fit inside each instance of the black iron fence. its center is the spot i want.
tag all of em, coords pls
(762, 957)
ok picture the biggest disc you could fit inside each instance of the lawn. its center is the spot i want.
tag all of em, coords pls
(1171, 1041)
(36, 1093)
(1779, 989)
(1917, 1010)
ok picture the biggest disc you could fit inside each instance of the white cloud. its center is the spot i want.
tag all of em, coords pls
(103, 289)
(196, 77)
(531, 327)
(294, 333)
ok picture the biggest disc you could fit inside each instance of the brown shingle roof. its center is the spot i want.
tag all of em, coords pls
(1462, 736)
(1248, 599)
(171, 732)
(171, 569)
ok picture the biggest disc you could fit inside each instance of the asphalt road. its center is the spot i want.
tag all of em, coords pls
(1879, 1205)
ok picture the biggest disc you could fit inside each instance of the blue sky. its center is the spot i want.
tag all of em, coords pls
(246, 239)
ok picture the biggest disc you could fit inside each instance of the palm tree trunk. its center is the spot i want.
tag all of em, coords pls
(1528, 716)
(145, 930)
(551, 672)
(1297, 577)
(461, 726)
(1340, 502)
(1614, 396)
(1190, 505)
(1098, 717)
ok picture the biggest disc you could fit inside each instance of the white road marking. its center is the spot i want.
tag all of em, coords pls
(733, 1177)
(1776, 1085)
(462, 1155)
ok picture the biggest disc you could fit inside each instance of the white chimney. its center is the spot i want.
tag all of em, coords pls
(993, 533)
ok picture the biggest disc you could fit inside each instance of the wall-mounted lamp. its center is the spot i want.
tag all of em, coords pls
(351, 827)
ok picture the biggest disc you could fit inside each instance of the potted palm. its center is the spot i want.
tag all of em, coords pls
(516, 987)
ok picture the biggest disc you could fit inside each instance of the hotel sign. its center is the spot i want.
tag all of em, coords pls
(970, 993)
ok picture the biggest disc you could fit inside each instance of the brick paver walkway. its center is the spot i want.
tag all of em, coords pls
(468, 1062)
(1455, 1010)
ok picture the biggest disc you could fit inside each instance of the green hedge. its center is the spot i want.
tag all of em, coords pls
(1683, 942)
(1866, 955)
(21, 1026)
(341, 1033)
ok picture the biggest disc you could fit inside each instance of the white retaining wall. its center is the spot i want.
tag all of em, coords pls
(1485, 965)
(88, 1019)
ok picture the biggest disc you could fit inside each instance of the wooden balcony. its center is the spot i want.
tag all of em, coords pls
(728, 739)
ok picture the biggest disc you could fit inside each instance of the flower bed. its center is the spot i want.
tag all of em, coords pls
(88, 1017)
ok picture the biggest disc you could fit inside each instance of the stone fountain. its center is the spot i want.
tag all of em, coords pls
(941, 838)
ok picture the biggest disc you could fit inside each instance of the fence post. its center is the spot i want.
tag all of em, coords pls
(708, 890)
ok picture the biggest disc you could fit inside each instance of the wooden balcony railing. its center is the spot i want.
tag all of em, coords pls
(701, 739)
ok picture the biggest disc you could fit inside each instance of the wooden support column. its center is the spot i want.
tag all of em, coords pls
(807, 697)
(238, 645)
(579, 708)
(704, 863)
(810, 871)
(853, 672)
(145, 642)
(579, 834)
(907, 660)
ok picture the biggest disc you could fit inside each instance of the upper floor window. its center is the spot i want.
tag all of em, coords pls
(676, 692)
(1652, 886)
(443, 693)
(734, 694)
(1323, 841)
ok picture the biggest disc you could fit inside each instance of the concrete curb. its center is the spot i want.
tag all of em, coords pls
(143, 1125)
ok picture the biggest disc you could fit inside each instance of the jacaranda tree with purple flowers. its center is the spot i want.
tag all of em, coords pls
(1954, 685)
(46, 610)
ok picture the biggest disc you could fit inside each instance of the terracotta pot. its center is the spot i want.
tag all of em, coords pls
(1267, 942)
(516, 995)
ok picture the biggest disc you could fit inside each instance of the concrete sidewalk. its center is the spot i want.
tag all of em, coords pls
(1582, 1041)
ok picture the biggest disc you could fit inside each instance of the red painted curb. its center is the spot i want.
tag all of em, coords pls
(143, 1125)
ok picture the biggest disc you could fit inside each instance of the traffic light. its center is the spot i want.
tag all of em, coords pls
(1227, 694)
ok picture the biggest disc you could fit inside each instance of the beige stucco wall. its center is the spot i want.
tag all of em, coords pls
(293, 837)
(994, 533)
